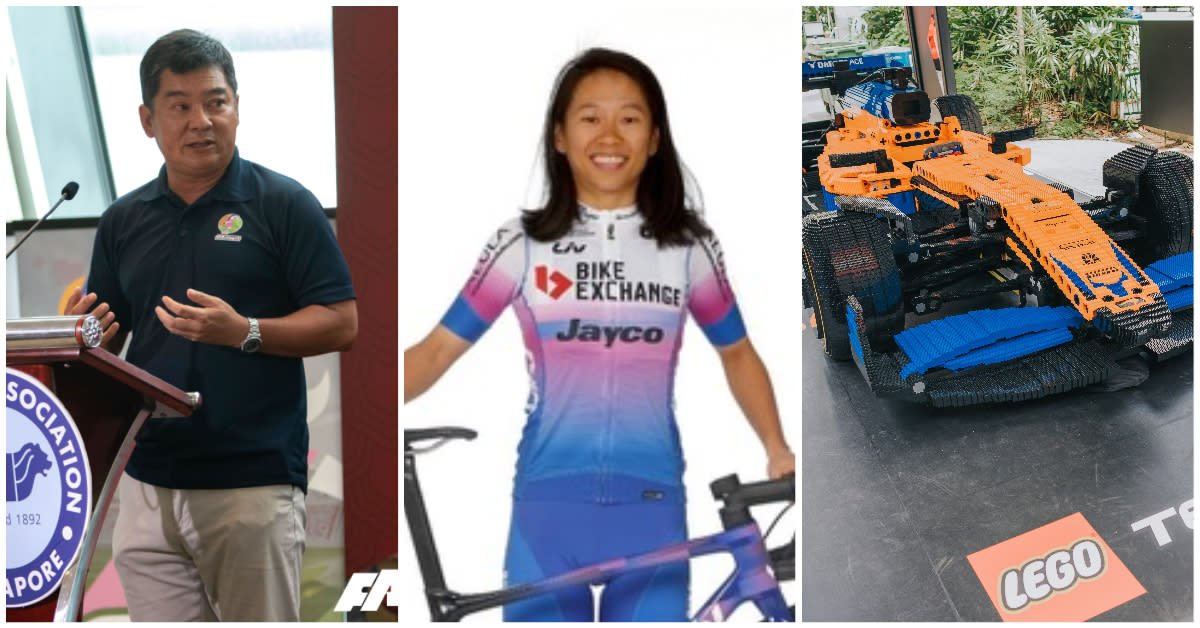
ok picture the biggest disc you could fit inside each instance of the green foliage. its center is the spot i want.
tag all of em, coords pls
(996, 94)
(1066, 128)
(975, 29)
(1064, 19)
(1097, 55)
(898, 36)
(1074, 63)
(885, 26)
(1075, 56)
(1123, 126)
(1040, 69)
(823, 15)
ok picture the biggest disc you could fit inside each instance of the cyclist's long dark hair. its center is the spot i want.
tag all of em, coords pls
(670, 214)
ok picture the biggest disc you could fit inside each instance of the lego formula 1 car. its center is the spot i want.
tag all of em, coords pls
(905, 217)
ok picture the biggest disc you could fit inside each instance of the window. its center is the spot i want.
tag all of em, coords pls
(284, 63)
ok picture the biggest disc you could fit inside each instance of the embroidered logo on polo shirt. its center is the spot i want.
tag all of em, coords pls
(228, 225)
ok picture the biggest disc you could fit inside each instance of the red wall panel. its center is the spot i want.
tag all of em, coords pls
(364, 65)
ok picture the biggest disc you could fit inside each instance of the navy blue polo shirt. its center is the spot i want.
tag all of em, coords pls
(261, 242)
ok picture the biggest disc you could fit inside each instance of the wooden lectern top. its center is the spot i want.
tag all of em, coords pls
(105, 362)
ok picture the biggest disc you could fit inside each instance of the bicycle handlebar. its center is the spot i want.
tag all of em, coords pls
(737, 498)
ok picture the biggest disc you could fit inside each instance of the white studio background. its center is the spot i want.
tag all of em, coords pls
(474, 81)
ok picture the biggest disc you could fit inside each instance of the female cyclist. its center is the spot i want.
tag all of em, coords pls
(601, 279)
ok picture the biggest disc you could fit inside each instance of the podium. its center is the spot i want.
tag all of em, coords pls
(110, 400)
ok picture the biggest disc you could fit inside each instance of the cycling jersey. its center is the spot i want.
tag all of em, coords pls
(602, 311)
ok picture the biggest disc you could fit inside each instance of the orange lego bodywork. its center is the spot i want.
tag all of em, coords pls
(1089, 268)
(1050, 229)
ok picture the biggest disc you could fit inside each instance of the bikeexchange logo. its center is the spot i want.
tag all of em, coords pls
(551, 282)
(604, 281)
(49, 491)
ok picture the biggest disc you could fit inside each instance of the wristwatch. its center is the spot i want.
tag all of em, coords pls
(253, 341)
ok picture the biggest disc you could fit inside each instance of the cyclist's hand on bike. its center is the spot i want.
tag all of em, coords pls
(781, 463)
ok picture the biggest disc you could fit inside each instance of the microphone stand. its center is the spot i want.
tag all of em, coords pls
(68, 193)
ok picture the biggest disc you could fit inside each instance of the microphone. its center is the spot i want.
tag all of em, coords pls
(68, 192)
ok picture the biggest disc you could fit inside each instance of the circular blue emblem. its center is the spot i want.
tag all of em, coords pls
(49, 490)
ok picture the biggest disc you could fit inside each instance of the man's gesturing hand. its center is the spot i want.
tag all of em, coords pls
(214, 322)
(78, 304)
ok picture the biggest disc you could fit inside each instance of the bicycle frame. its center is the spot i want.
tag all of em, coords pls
(750, 579)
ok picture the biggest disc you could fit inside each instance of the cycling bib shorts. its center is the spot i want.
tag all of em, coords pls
(550, 538)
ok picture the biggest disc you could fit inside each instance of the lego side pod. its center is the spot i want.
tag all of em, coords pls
(1010, 354)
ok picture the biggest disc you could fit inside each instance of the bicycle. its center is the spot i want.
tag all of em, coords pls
(755, 578)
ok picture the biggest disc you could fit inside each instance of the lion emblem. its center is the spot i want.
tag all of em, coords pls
(23, 467)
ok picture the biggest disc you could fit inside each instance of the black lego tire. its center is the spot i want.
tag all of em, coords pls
(962, 107)
(851, 253)
(832, 331)
(1166, 201)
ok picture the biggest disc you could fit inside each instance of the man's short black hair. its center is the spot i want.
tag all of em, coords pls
(183, 51)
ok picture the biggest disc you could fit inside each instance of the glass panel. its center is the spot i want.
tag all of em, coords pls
(52, 134)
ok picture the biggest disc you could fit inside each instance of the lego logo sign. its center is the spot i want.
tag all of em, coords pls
(1058, 571)
(1062, 571)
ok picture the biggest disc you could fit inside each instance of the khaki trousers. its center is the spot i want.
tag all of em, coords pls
(210, 555)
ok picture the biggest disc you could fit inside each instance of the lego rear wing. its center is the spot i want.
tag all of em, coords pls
(838, 75)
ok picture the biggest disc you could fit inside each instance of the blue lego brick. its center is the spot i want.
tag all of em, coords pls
(1174, 278)
(1005, 350)
(897, 59)
(874, 98)
(852, 323)
(1117, 287)
(1130, 267)
(904, 201)
(830, 200)
(937, 342)
(1172, 272)
(928, 202)
(1180, 298)
(884, 294)
(1075, 279)
(824, 67)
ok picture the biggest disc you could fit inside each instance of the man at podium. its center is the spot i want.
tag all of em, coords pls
(225, 274)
